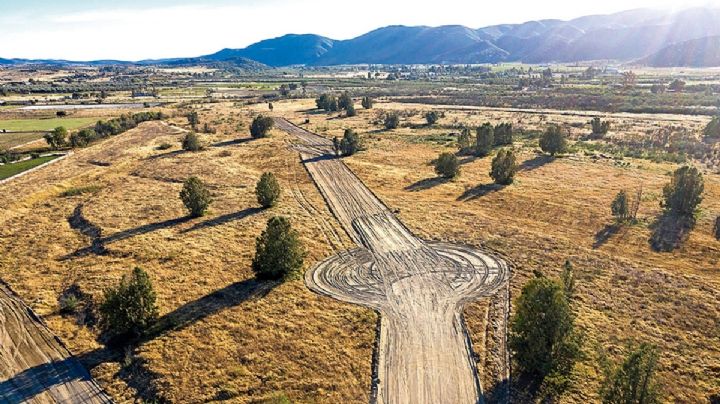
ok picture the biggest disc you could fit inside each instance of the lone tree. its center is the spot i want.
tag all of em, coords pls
(193, 119)
(504, 167)
(485, 139)
(447, 165)
(392, 121)
(267, 190)
(278, 251)
(503, 134)
(553, 140)
(191, 142)
(543, 339)
(684, 192)
(633, 381)
(195, 196)
(432, 117)
(712, 130)
(129, 309)
(620, 207)
(260, 126)
(350, 143)
(57, 138)
(599, 127)
(367, 102)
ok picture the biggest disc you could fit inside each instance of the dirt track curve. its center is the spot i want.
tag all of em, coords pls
(419, 287)
(34, 366)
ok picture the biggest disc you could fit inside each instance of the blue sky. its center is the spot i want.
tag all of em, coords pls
(141, 29)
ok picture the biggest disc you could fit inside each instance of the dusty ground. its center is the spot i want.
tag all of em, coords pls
(232, 338)
(557, 210)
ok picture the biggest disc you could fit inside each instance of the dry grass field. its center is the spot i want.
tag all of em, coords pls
(557, 210)
(227, 337)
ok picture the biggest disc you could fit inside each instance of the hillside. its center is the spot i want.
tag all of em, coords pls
(702, 52)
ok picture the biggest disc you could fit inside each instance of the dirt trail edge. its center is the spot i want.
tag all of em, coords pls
(418, 287)
(35, 367)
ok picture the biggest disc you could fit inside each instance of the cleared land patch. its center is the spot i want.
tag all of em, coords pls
(40, 125)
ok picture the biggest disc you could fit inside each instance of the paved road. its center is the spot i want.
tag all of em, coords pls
(34, 366)
(418, 287)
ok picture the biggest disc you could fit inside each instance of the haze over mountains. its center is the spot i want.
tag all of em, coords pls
(657, 38)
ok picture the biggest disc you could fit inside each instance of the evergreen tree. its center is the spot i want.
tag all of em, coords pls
(504, 167)
(553, 140)
(447, 165)
(485, 140)
(278, 251)
(195, 196)
(684, 192)
(260, 126)
(633, 381)
(129, 309)
(267, 190)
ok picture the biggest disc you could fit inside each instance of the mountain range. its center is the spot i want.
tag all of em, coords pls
(689, 37)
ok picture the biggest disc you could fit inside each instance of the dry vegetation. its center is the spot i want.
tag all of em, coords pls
(232, 338)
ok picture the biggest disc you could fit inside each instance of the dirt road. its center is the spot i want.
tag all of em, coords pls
(418, 287)
(34, 366)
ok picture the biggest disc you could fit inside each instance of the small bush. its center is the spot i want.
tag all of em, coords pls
(485, 139)
(69, 304)
(392, 121)
(684, 192)
(278, 251)
(267, 190)
(432, 117)
(164, 146)
(599, 127)
(195, 196)
(620, 207)
(553, 140)
(260, 127)
(447, 165)
(191, 142)
(129, 309)
(367, 102)
(504, 167)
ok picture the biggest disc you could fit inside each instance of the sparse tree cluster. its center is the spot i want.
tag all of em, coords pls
(261, 126)
(57, 138)
(599, 127)
(683, 194)
(102, 129)
(331, 103)
(278, 251)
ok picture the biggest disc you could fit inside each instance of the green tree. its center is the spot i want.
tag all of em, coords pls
(620, 207)
(350, 143)
(129, 309)
(543, 339)
(504, 167)
(447, 165)
(392, 121)
(191, 142)
(431, 117)
(712, 129)
(367, 102)
(633, 381)
(350, 110)
(553, 140)
(599, 127)
(193, 119)
(82, 138)
(267, 190)
(195, 196)
(485, 139)
(463, 141)
(345, 101)
(503, 134)
(260, 126)
(278, 251)
(57, 138)
(327, 102)
(684, 192)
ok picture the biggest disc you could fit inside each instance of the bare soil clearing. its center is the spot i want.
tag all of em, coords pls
(419, 288)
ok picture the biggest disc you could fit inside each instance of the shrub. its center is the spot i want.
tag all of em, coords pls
(350, 143)
(129, 309)
(195, 196)
(504, 167)
(69, 304)
(367, 102)
(260, 127)
(633, 381)
(463, 141)
(599, 127)
(712, 130)
(193, 119)
(543, 339)
(209, 129)
(503, 134)
(191, 142)
(164, 146)
(57, 138)
(447, 165)
(684, 192)
(717, 228)
(267, 190)
(432, 117)
(392, 121)
(620, 207)
(345, 101)
(327, 102)
(553, 140)
(278, 251)
(485, 139)
(350, 110)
